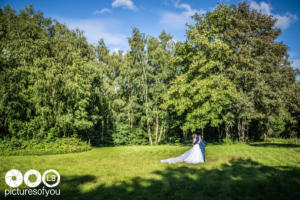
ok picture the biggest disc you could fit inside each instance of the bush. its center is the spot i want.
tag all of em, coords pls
(126, 136)
(284, 140)
(42, 147)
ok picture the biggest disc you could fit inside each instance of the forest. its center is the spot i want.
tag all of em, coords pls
(230, 80)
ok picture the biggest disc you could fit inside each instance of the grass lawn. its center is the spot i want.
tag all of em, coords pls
(237, 171)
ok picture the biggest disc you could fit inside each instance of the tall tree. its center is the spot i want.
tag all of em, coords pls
(159, 54)
(257, 65)
(231, 72)
(201, 92)
(137, 44)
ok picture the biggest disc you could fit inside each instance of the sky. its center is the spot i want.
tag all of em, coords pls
(113, 19)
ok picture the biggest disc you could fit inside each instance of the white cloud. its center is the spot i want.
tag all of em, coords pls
(94, 29)
(178, 20)
(116, 50)
(283, 21)
(296, 63)
(102, 11)
(124, 4)
(263, 7)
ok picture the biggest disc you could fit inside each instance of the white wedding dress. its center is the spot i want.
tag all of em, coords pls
(194, 156)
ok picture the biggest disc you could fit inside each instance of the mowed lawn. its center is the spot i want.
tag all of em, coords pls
(237, 171)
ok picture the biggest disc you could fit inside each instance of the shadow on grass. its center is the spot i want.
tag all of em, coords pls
(239, 179)
(268, 144)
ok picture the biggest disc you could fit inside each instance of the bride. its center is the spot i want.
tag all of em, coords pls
(195, 155)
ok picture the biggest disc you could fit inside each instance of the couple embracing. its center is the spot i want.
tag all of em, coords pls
(195, 155)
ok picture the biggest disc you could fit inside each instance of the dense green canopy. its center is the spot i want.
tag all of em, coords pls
(230, 78)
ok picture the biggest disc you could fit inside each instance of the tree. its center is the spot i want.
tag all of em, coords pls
(257, 66)
(201, 92)
(232, 73)
(230, 76)
(49, 80)
(159, 55)
(137, 54)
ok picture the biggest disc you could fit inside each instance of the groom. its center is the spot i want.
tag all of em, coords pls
(201, 143)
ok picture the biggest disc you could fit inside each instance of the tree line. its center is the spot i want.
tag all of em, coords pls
(230, 79)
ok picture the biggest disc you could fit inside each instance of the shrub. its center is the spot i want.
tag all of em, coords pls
(42, 147)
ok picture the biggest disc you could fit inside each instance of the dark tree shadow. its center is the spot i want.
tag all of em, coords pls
(239, 179)
(268, 144)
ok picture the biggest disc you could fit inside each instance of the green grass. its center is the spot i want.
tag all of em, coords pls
(238, 171)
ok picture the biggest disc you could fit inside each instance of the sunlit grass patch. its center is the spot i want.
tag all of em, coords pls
(237, 171)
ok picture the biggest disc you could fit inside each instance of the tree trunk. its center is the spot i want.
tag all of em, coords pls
(129, 113)
(149, 132)
(160, 132)
(148, 121)
(243, 130)
(239, 129)
(219, 134)
(147, 105)
(265, 137)
(130, 122)
(102, 130)
(184, 135)
(246, 133)
(156, 129)
(227, 131)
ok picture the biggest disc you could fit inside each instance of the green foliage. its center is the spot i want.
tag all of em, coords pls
(124, 135)
(52, 86)
(19, 147)
(230, 79)
(136, 84)
(284, 140)
(234, 75)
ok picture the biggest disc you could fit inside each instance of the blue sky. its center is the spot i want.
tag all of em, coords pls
(113, 19)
